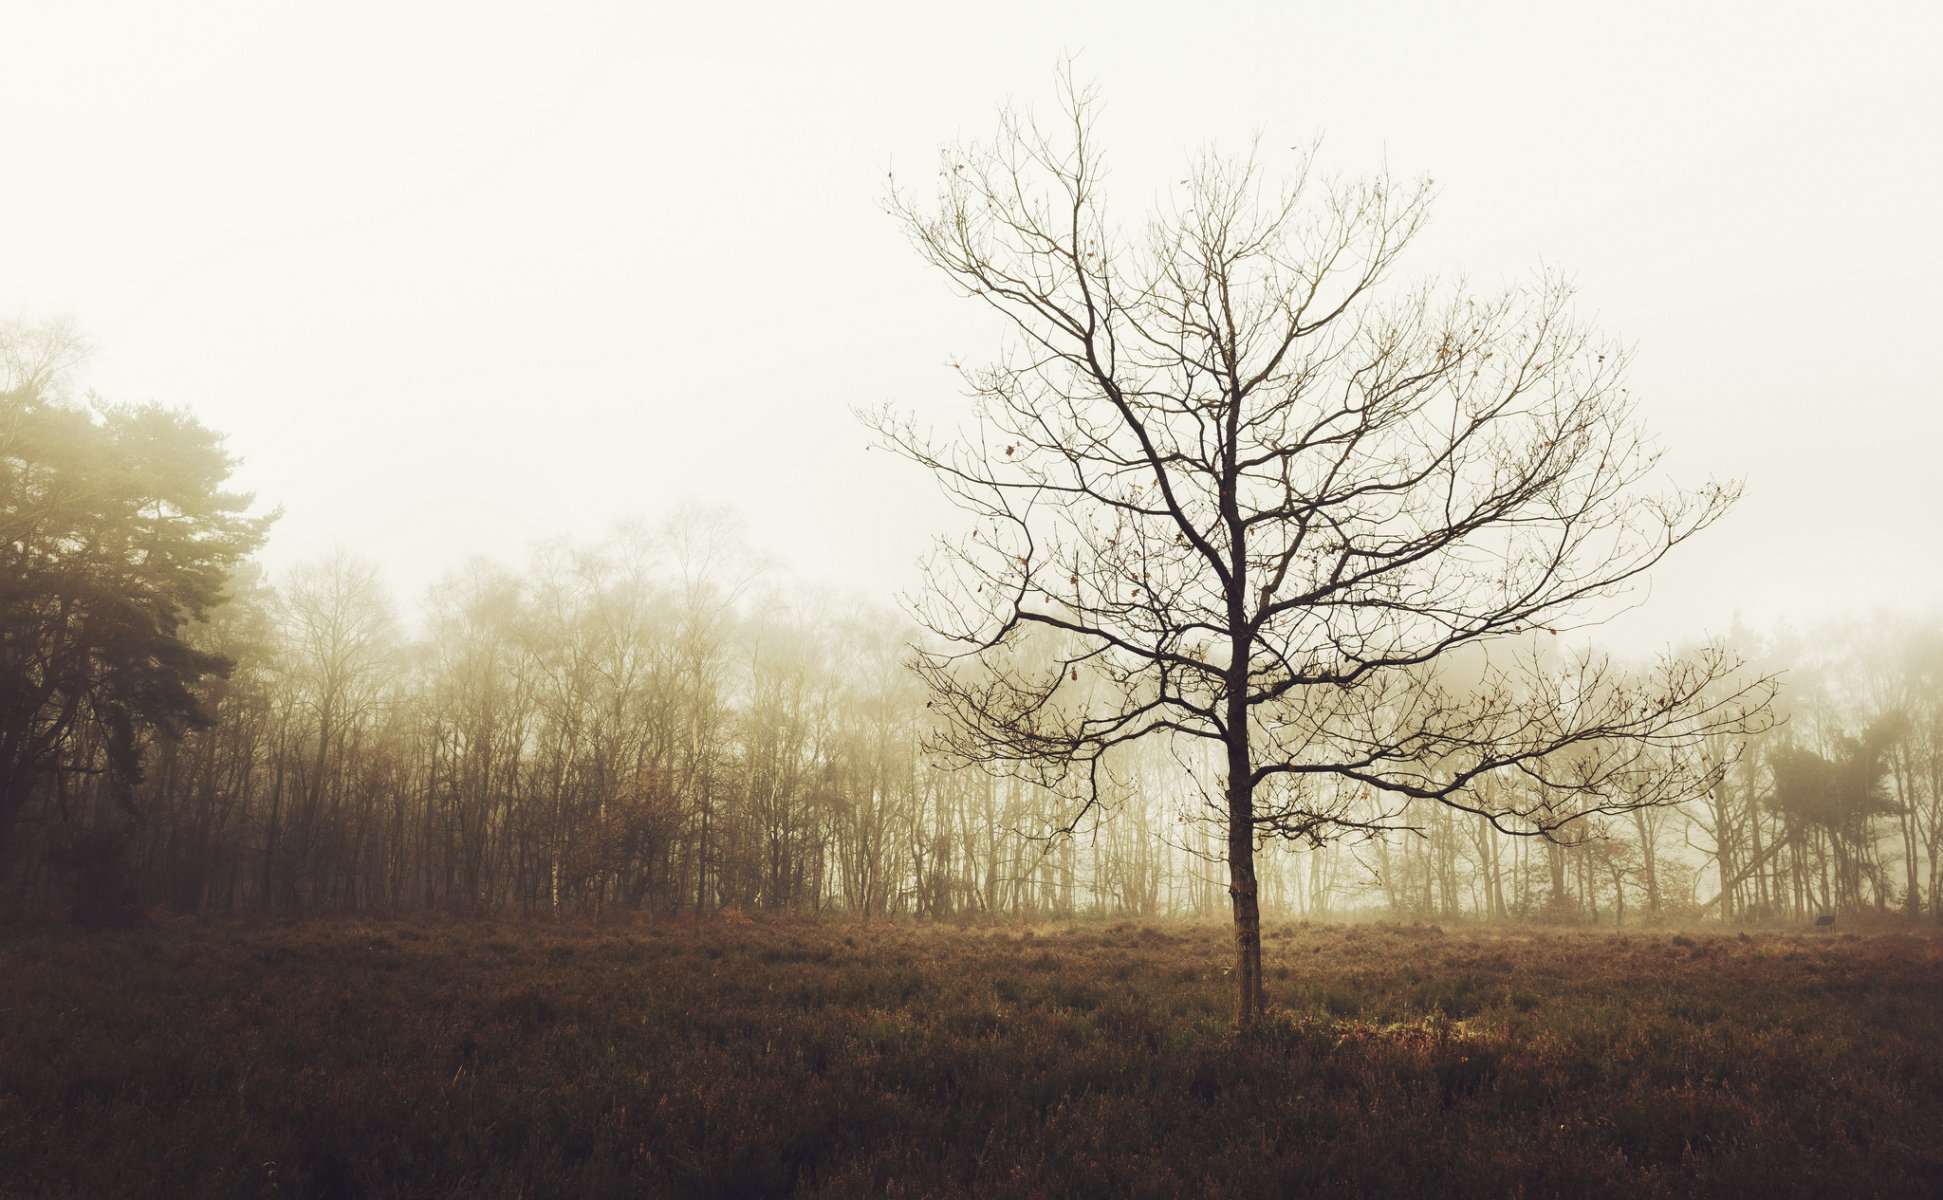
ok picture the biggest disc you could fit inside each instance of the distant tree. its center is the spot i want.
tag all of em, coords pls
(479, 711)
(1925, 665)
(117, 534)
(1231, 487)
(1840, 798)
(1895, 666)
(338, 636)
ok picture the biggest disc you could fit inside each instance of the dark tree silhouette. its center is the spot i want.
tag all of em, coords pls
(1839, 797)
(116, 535)
(1232, 485)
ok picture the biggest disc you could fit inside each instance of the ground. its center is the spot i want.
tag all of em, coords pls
(739, 1058)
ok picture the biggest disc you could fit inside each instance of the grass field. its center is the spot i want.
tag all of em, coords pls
(1085, 1059)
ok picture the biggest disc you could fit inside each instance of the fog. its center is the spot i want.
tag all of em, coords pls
(602, 599)
(458, 279)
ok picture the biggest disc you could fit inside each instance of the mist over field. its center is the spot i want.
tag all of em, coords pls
(596, 601)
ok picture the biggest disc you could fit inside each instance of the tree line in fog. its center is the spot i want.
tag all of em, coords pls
(654, 724)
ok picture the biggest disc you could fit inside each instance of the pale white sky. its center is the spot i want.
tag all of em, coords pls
(457, 277)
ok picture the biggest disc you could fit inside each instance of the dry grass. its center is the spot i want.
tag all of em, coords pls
(745, 1059)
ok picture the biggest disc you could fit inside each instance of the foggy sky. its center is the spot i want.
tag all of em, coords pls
(456, 278)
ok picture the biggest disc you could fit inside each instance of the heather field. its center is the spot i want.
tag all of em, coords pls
(737, 1058)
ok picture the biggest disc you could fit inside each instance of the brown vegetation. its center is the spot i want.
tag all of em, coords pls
(342, 1058)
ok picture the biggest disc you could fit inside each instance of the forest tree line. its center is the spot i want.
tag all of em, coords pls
(656, 725)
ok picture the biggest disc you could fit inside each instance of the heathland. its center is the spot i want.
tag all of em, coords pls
(746, 1058)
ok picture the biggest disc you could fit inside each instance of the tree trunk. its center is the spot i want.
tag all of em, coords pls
(1249, 1001)
(1241, 875)
(1555, 858)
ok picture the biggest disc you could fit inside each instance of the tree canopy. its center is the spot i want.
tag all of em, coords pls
(118, 534)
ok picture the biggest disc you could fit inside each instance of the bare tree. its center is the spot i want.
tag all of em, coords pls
(1231, 485)
(339, 637)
